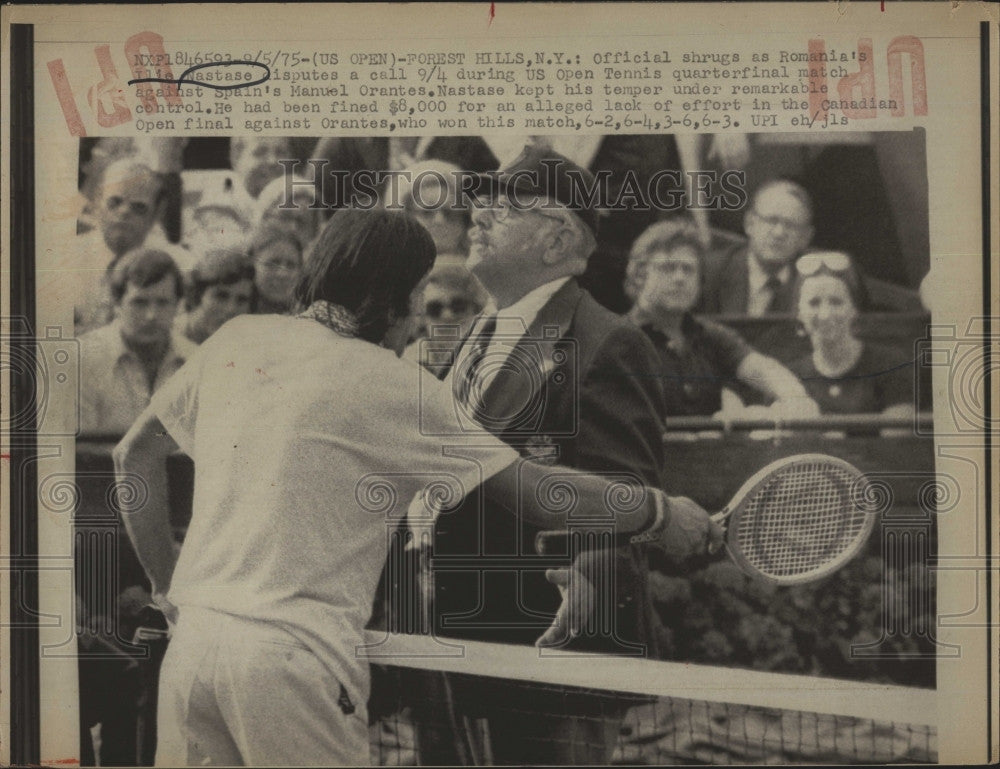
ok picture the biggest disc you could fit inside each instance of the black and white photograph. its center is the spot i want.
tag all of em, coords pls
(680, 329)
(500, 400)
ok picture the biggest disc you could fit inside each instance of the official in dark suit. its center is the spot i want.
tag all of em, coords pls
(567, 382)
(756, 279)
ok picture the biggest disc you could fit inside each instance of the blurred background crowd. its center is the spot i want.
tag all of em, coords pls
(176, 236)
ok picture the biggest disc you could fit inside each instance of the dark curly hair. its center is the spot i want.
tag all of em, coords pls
(219, 266)
(369, 262)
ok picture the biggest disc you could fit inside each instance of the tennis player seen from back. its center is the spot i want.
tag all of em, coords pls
(296, 426)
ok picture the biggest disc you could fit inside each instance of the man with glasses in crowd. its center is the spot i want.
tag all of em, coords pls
(756, 279)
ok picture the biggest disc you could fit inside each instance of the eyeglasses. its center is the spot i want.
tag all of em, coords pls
(278, 264)
(834, 261)
(457, 306)
(135, 207)
(501, 212)
(773, 221)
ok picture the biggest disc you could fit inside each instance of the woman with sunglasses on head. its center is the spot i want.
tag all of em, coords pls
(845, 374)
(664, 279)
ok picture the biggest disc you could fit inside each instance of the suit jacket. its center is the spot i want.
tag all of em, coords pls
(727, 285)
(596, 407)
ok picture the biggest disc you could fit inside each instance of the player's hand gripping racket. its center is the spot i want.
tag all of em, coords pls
(799, 519)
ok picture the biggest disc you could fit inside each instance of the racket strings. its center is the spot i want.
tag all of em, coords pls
(801, 520)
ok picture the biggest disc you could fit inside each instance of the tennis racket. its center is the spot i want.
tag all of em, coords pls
(797, 520)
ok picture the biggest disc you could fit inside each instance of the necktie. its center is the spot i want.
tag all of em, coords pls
(773, 285)
(472, 387)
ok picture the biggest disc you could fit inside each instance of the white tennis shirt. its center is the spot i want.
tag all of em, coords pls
(307, 446)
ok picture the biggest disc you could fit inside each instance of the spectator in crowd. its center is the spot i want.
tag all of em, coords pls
(162, 154)
(698, 358)
(127, 198)
(277, 260)
(123, 363)
(451, 299)
(103, 151)
(218, 221)
(290, 203)
(429, 191)
(843, 373)
(230, 202)
(756, 279)
(254, 160)
(220, 287)
(126, 208)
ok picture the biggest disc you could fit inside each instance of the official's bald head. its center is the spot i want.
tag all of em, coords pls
(127, 204)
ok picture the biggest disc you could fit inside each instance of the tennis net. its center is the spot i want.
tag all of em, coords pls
(446, 702)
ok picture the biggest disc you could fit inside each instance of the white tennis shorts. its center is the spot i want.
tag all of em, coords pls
(238, 692)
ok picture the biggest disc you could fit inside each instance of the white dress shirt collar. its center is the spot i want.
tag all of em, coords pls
(526, 308)
(512, 325)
